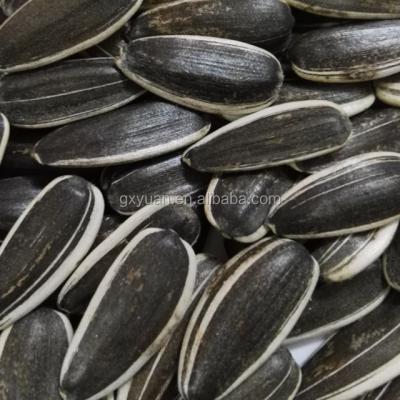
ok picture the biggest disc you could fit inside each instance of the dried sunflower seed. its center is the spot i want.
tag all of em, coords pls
(388, 90)
(66, 92)
(363, 52)
(272, 137)
(204, 73)
(234, 330)
(343, 199)
(391, 264)
(43, 247)
(4, 135)
(146, 291)
(50, 34)
(145, 130)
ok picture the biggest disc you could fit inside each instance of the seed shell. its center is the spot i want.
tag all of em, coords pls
(204, 73)
(359, 358)
(391, 263)
(32, 352)
(344, 257)
(362, 52)
(271, 21)
(272, 137)
(36, 257)
(388, 90)
(340, 200)
(238, 205)
(336, 305)
(4, 135)
(50, 34)
(145, 130)
(146, 291)
(233, 329)
(82, 284)
(66, 92)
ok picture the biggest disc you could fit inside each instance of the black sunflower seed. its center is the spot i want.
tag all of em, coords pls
(146, 291)
(234, 330)
(391, 263)
(10, 6)
(363, 52)
(32, 352)
(69, 91)
(272, 137)
(50, 34)
(4, 135)
(135, 132)
(271, 21)
(43, 247)
(388, 90)
(204, 73)
(343, 199)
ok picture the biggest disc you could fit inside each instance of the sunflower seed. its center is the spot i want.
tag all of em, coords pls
(37, 256)
(50, 34)
(271, 21)
(238, 205)
(234, 330)
(10, 6)
(344, 257)
(80, 287)
(272, 137)
(146, 291)
(336, 305)
(4, 135)
(204, 73)
(391, 265)
(159, 180)
(32, 352)
(145, 130)
(362, 52)
(69, 91)
(388, 90)
(390, 391)
(340, 200)
(374, 130)
(359, 358)
(357, 9)
(377, 394)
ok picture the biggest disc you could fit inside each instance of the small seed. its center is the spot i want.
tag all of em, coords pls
(388, 90)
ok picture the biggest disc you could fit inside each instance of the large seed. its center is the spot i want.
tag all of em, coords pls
(135, 132)
(134, 310)
(32, 352)
(271, 21)
(374, 130)
(362, 52)
(346, 256)
(43, 247)
(238, 205)
(271, 137)
(4, 135)
(39, 34)
(10, 6)
(359, 358)
(234, 329)
(82, 284)
(391, 264)
(343, 199)
(66, 92)
(388, 90)
(336, 305)
(209, 74)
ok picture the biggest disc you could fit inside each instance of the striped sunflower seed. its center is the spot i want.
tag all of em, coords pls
(10, 6)
(388, 90)
(343, 199)
(32, 352)
(145, 130)
(238, 205)
(82, 284)
(4, 135)
(43, 247)
(379, 394)
(359, 358)
(131, 188)
(272, 137)
(234, 330)
(344, 257)
(204, 73)
(50, 34)
(336, 305)
(271, 21)
(363, 52)
(357, 9)
(66, 92)
(374, 130)
(391, 267)
(146, 291)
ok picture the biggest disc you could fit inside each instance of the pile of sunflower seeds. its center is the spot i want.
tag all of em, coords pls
(193, 190)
